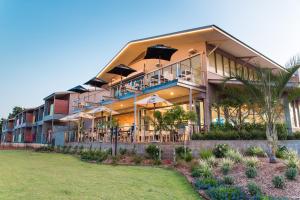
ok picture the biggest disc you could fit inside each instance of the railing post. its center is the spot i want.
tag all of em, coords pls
(177, 70)
(159, 77)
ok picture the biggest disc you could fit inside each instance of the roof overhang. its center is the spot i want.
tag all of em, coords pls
(210, 34)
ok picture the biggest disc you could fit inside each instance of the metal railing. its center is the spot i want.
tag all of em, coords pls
(185, 70)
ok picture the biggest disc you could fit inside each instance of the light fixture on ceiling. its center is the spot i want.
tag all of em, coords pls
(192, 51)
(171, 93)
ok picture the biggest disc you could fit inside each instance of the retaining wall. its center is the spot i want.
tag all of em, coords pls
(195, 146)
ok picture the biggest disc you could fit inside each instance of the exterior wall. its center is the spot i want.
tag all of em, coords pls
(61, 106)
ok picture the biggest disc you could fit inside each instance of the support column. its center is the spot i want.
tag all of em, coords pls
(287, 114)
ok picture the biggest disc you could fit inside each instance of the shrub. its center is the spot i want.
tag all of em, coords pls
(188, 157)
(98, 156)
(58, 149)
(226, 192)
(63, 149)
(255, 151)
(234, 155)
(278, 182)
(75, 150)
(203, 170)
(184, 154)
(297, 135)
(254, 189)
(226, 165)
(212, 161)
(251, 172)
(282, 131)
(206, 183)
(228, 180)
(153, 151)
(137, 159)
(45, 149)
(281, 152)
(205, 153)
(220, 150)
(293, 163)
(122, 151)
(291, 173)
(251, 161)
(81, 149)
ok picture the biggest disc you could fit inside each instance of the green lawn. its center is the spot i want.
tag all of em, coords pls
(28, 175)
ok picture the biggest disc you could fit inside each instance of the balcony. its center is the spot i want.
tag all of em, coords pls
(187, 71)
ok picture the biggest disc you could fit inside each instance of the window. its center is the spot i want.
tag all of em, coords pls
(239, 70)
(246, 72)
(226, 66)
(212, 63)
(196, 69)
(232, 68)
(219, 64)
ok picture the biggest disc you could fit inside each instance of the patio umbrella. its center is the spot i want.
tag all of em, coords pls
(77, 117)
(96, 82)
(102, 110)
(153, 102)
(78, 89)
(122, 70)
(160, 52)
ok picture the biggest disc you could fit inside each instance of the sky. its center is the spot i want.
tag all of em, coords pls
(54, 45)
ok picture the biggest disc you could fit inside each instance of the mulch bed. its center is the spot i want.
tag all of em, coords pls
(265, 172)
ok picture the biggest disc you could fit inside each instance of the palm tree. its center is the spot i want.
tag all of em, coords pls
(268, 90)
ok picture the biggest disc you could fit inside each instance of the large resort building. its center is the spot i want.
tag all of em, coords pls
(201, 59)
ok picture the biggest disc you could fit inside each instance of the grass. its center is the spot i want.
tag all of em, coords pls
(30, 175)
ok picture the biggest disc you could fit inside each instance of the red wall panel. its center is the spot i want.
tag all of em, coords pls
(29, 117)
(28, 136)
(61, 106)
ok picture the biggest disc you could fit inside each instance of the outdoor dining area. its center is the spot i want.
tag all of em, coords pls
(140, 124)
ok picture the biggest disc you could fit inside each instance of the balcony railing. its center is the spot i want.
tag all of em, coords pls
(187, 70)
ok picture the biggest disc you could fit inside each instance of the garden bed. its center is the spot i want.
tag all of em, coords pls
(265, 173)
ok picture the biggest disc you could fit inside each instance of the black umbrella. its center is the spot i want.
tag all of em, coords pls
(122, 70)
(78, 89)
(96, 82)
(160, 51)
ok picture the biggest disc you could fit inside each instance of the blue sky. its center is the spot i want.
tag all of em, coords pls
(53, 45)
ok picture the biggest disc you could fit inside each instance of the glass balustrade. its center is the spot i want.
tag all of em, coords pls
(187, 70)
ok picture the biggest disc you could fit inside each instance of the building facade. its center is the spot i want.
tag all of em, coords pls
(204, 57)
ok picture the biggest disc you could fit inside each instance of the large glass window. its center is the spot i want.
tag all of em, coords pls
(246, 75)
(219, 64)
(232, 68)
(212, 63)
(239, 69)
(196, 69)
(226, 66)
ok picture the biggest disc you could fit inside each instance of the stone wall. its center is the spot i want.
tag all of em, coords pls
(195, 146)
(20, 145)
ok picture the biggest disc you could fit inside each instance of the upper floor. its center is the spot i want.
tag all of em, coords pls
(8, 125)
(24, 119)
(203, 54)
(56, 105)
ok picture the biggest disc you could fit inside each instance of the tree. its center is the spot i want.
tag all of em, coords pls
(172, 120)
(236, 104)
(268, 90)
(16, 110)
